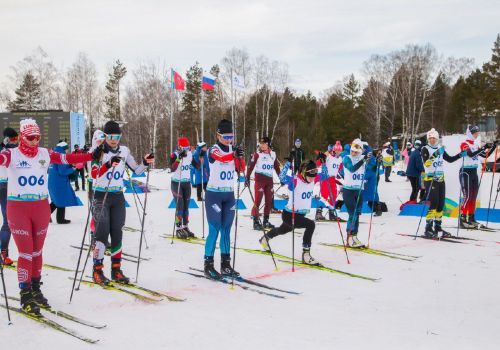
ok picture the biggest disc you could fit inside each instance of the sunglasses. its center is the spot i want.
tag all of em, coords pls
(115, 137)
(32, 137)
(227, 136)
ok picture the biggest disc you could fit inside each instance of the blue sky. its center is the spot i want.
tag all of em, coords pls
(321, 41)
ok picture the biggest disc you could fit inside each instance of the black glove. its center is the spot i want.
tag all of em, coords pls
(96, 154)
(183, 154)
(369, 155)
(239, 152)
(148, 156)
(202, 153)
(113, 160)
(321, 157)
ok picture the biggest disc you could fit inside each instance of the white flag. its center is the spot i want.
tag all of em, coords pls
(238, 82)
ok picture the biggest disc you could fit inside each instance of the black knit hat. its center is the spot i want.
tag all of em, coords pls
(473, 129)
(112, 127)
(265, 139)
(9, 132)
(225, 127)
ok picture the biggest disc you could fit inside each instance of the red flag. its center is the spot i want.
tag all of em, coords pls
(177, 81)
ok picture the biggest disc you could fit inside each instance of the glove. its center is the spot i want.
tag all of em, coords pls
(463, 154)
(148, 159)
(202, 153)
(441, 150)
(369, 155)
(239, 152)
(114, 161)
(322, 158)
(183, 154)
(97, 153)
(428, 163)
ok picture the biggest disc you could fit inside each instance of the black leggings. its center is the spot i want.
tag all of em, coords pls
(436, 195)
(300, 222)
(199, 189)
(415, 189)
(112, 219)
(182, 195)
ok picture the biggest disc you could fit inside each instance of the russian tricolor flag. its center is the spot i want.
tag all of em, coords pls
(208, 82)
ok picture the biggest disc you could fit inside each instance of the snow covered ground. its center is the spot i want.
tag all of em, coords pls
(446, 299)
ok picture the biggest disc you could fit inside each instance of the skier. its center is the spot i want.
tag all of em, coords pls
(433, 155)
(300, 188)
(370, 192)
(28, 210)
(332, 161)
(60, 189)
(200, 171)
(413, 172)
(10, 141)
(297, 155)
(406, 153)
(264, 161)
(226, 165)
(387, 160)
(180, 164)
(80, 168)
(468, 176)
(108, 209)
(354, 166)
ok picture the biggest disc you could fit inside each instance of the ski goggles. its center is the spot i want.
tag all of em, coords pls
(32, 137)
(115, 137)
(357, 148)
(13, 139)
(187, 148)
(312, 172)
(227, 137)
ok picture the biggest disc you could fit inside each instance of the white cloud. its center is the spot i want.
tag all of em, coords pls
(320, 40)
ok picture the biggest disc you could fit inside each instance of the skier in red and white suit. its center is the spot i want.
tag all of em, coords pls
(28, 210)
(332, 160)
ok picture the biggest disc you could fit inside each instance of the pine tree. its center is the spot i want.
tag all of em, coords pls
(492, 77)
(112, 99)
(27, 95)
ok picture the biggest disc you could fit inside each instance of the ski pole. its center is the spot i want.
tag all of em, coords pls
(91, 204)
(134, 195)
(491, 188)
(293, 216)
(106, 192)
(236, 221)
(338, 221)
(5, 291)
(462, 185)
(264, 231)
(375, 192)
(202, 165)
(426, 200)
(142, 227)
(496, 196)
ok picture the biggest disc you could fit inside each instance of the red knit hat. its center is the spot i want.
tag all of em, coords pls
(338, 146)
(183, 142)
(29, 127)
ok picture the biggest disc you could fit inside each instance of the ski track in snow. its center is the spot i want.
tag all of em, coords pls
(447, 298)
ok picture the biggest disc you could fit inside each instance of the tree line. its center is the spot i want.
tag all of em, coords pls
(401, 93)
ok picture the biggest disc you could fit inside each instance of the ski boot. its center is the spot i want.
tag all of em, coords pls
(5, 257)
(438, 228)
(307, 258)
(117, 274)
(319, 215)
(466, 223)
(209, 269)
(28, 303)
(333, 217)
(181, 233)
(429, 232)
(98, 275)
(37, 294)
(257, 225)
(264, 243)
(267, 225)
(225, 267)
(378, 209)
(472, 220)
(190, 234)
(354, 242)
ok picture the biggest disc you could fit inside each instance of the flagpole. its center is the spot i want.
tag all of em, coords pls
(171, 110)
(232, 107)
(202, 108)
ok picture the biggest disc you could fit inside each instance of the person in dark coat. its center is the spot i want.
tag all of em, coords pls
(60, 189)
(200, 166)
(414, 172)
(297, 156)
